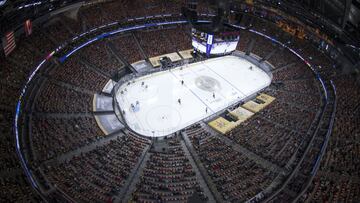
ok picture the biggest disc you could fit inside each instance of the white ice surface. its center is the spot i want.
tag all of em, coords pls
(231, 80)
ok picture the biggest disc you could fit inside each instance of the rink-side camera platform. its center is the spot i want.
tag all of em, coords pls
(161, 103)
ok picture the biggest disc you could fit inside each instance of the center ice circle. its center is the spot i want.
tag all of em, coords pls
(207, 83)
(163, 118)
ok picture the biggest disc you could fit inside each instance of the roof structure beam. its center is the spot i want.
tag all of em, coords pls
(346, 12)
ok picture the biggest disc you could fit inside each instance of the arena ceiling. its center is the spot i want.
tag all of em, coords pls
(341, 15)
(344, 13)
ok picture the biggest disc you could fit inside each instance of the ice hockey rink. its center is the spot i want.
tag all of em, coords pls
(160, 103)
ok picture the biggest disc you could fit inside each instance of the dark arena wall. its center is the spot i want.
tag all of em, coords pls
(55, 146)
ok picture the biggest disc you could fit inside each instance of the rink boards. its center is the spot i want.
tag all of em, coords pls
(164, 102)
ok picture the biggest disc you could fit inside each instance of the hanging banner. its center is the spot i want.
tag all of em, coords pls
(209, 44)
(28, 27)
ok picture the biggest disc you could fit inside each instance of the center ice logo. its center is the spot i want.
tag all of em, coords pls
(207, 83)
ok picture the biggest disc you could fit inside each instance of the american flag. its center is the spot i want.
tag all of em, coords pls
(9, 43)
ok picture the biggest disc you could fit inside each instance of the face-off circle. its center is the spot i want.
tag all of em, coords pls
(161, 116)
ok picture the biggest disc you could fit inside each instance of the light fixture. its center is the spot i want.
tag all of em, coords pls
(2, 2)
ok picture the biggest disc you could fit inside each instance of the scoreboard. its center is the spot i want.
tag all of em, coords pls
(214, 44)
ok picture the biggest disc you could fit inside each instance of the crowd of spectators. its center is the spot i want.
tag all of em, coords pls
(278, 131)
(14, 71)
(92, 16)
(244, 41)
(306, 101)
(126, 46)
(168, 175)
(308, 167)
(16, 189)
(74, 26)
(267, 139)
(294, 71)
(133, 9)
(284, 57)
(339, 172)
(154, 43)
(179, 37)
(334, 188)
(76, 73)
(54, 136)
(301, 86)
(262, 46)
(8, 158)
(7, 93)
(54, 98)
(204, 8)
(157, 42)
(98, 175)
(39, 43)
(288, 115)
(236, 177)
(100, 55)
(56, 30)
(13, 184)
(13, 75)
(270, 29)
(107, 12)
